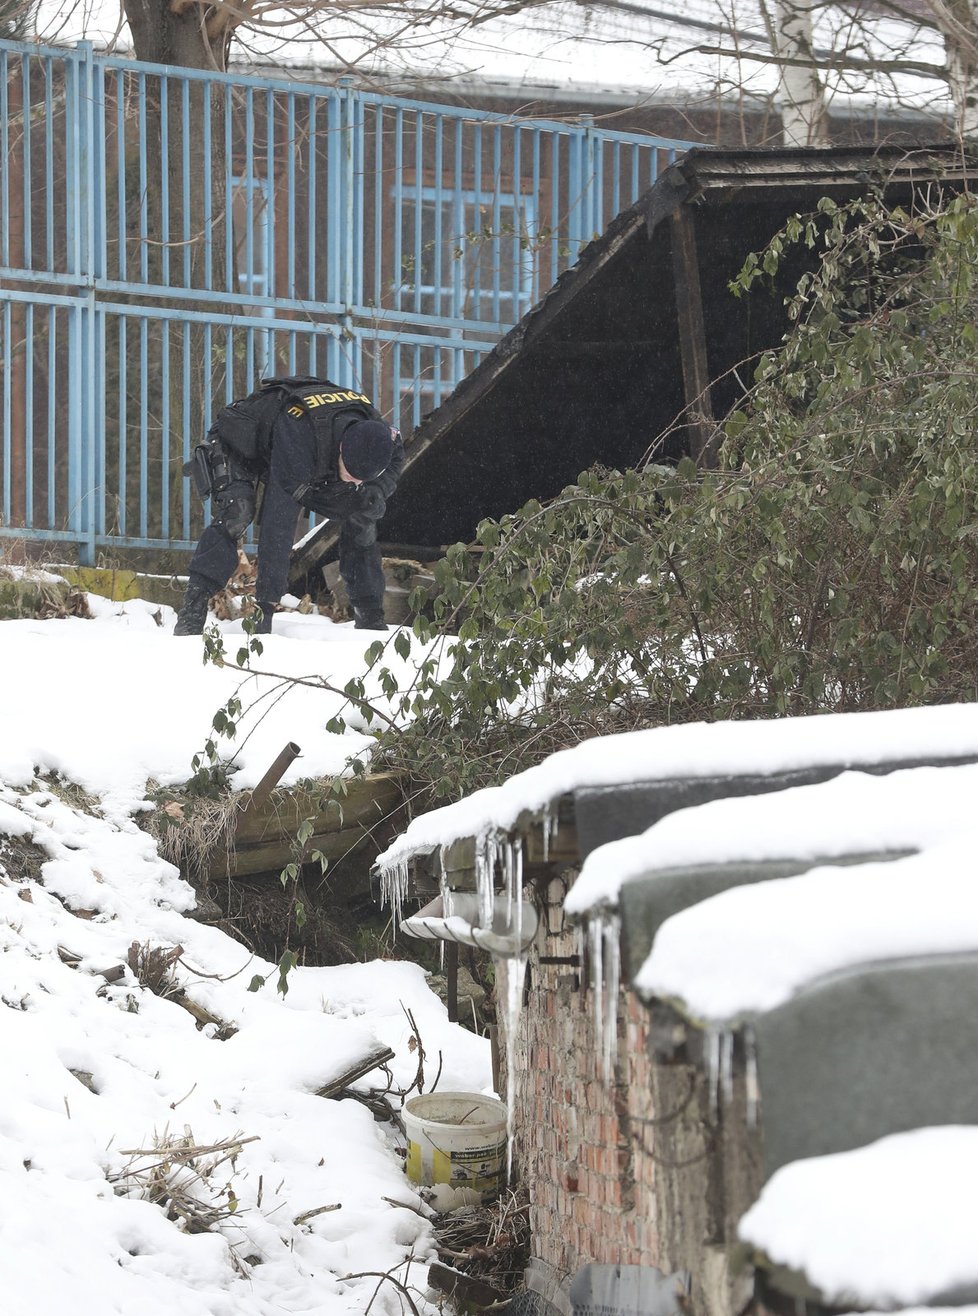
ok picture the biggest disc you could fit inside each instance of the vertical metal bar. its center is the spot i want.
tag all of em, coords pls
(396, 386)
(418, 381)
(270, 191)
(28, 170)
(439, 203)
(348, 191)
(29, 416)
(334, 184)
(230, 272)
(517, 242)
(475, 304)
(53, 416)
(497, 227)
(290, 236)
(596, 184)
(123, 463)
(143, 180)
(143, 427)
(616, 179)
(98, 437)
(187, 436)
(207, 184)
(165, 431)
(636, 183)
(418, 205)
(575, 191)
(187, 180)
(165, 177)
(4, 173)
(555, 237)
(360, 201)
(208, 358)
(537, 191)
(6, 447)
(458, 247)
(120, 173)
(313, 228)
(49, 190)
(72, 166)
(398, 239)
(249, 191)
(379, 207)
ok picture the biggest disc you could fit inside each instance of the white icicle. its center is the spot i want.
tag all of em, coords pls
(612, 975)
(726, 1065)
(515, 968)
(751, 1088)
(393, 889)
(486, 856)
(596, 958)
(712, 1046)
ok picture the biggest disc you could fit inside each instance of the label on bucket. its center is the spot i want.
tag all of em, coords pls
(447, 1146)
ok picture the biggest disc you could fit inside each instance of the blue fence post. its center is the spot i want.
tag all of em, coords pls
(85, 110)
(583, 195)
(348, 212)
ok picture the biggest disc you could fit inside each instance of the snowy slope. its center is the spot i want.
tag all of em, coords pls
(99, 1073)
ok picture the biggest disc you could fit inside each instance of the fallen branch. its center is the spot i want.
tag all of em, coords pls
(365, 1066)
(317, 1210)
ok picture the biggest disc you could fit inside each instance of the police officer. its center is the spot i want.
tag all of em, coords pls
(315, 446)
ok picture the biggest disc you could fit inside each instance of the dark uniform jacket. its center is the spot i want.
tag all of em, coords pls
(305, 451)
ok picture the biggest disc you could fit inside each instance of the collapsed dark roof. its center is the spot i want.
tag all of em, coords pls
(603, 368)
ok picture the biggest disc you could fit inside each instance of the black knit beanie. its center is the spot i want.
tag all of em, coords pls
(367, 448)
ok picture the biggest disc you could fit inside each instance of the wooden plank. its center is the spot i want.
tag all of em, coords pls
(692, 339)
(380, 1056)
(369, 800)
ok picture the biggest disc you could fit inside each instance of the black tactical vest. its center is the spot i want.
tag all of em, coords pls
(245, 426)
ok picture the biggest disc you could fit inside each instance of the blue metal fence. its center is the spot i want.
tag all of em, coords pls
(168, 236)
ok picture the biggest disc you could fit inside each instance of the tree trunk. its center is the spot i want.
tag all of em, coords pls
(958, 23)
(800, 96)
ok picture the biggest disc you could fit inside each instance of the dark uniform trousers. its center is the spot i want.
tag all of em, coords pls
(216, 556)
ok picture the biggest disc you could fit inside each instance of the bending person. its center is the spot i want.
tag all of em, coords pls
(314, 446)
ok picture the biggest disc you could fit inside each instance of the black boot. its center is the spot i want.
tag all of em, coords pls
(369, 619)
(263, 624)
(193, 613)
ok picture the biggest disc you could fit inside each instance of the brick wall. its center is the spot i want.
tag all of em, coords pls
(578, 1140)
(647, 1169)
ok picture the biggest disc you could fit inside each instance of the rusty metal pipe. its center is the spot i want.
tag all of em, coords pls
(272, 777)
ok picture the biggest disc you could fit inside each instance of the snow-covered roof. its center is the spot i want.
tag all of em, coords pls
(891, 1224)
(751, 948)
(855, 812)
(696, 750)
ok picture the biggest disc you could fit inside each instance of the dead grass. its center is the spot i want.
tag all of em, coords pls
(189, 833)
(182, 1177)
(489, 1243)
(21, 858)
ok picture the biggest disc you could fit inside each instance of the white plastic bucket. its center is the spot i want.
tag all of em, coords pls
(456, 1138)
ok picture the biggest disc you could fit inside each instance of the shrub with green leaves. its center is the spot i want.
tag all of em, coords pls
(828, 563)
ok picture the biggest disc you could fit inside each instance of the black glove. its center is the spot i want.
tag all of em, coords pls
(370, 502)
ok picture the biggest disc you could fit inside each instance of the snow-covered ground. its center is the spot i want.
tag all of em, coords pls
(104, 1081)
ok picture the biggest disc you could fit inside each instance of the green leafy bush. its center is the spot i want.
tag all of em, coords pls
(828, 563)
